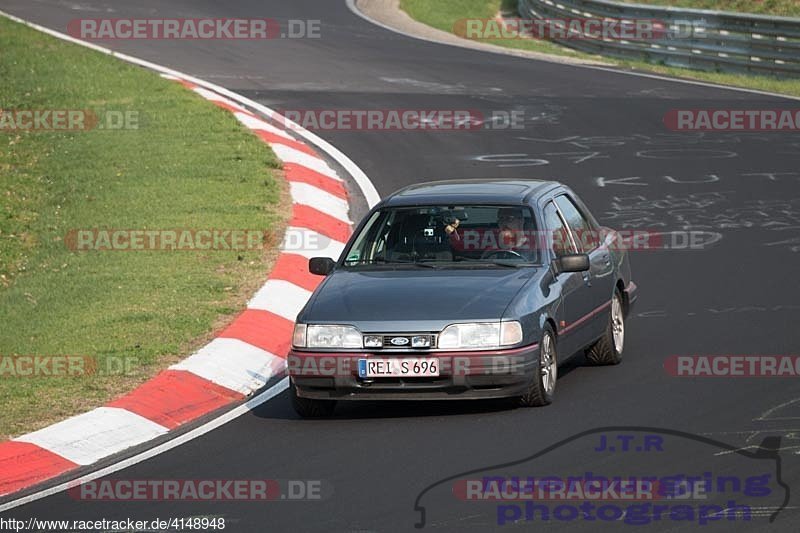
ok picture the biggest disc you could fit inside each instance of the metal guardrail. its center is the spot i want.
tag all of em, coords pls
(715, 40)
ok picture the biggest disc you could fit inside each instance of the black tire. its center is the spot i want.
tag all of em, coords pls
(537, 394)
(605, 350)
(310, 408)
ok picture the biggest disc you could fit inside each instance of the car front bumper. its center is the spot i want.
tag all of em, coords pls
(463, 375)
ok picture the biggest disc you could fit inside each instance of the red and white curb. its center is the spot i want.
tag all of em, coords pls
(245, 355)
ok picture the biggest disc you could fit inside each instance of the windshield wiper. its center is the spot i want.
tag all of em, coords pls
(382, 261)
(496, 262)
(510, 264)
(364, 261)
(426, 264)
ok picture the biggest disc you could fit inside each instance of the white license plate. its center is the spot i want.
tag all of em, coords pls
(397, 367)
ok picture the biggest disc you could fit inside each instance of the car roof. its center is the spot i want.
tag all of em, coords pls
(470, 191)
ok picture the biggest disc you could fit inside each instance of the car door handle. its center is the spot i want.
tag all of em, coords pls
(606, 259)
(587, 278)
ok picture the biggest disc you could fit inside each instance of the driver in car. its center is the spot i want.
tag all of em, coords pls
(512, 235)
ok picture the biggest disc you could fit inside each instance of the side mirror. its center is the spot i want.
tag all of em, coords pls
(571, 263)
(321, 266)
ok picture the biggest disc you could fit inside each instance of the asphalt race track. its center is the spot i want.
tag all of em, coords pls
(602, 134)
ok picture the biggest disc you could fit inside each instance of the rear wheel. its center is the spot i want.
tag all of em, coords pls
(543, 382)
(608, 349)
(310, 408)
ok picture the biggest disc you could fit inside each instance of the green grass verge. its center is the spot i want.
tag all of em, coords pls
(188, 165)
(443, 15)
(784, 8)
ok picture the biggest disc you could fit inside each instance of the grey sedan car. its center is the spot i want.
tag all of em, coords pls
(462, 289)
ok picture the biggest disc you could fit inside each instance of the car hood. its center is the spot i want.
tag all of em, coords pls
(414, 300)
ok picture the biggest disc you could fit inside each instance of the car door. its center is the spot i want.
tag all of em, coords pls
(574, 303)
(598, 282)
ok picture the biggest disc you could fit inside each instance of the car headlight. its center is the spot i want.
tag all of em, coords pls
(311, 336)
(481, 335)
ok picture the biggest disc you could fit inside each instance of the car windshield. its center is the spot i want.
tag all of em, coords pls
(456, 235)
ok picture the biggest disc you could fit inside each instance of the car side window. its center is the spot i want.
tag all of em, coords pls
(586, 237)
(560, 241)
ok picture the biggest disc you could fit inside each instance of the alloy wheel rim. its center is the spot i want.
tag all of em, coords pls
(617, 324)
(549, 367)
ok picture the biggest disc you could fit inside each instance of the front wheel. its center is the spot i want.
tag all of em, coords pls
(310, 408)
(608, 349)
(543, 382)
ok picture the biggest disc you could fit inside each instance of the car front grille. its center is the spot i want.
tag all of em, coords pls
(403, 342)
